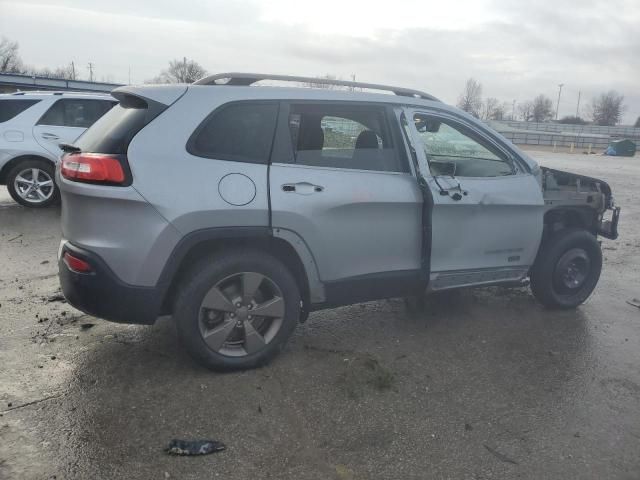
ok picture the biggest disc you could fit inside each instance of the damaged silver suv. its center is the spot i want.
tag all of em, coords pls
(238, 208)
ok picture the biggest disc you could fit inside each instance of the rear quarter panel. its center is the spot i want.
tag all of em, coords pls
(184, 188)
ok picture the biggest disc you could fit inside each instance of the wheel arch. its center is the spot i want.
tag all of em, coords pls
(205, 242)
(7, 167)
(570, 217)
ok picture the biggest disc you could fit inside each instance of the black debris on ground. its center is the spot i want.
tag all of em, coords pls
(194, 447)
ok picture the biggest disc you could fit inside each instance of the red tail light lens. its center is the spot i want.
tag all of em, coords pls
(76, 264)
(93, 168)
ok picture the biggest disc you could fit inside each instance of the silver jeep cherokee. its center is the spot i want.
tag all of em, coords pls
(238, 209)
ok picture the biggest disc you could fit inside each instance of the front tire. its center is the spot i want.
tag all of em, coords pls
(567, 269)
(31, 183)
(237, 310)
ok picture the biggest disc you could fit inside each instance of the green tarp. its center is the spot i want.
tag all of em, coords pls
(622, 148)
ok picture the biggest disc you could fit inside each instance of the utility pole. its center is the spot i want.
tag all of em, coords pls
(73, 71)
(513, 110)
(560, 85)
(578, 107)
(90, 67)
(129, 76)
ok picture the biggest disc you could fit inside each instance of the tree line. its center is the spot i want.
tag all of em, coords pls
(605, 109)
(179, 70)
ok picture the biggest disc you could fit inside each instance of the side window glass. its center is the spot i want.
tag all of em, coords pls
(12, 108)
(358, 137)
(79, 113)
(451, 148)
(241, 132)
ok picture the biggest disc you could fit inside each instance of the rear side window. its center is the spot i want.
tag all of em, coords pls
(71, 112)
(11, 108)
(240, 132)
(343, 136)
(113, 132)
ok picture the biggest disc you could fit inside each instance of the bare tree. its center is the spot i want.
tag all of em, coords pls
(499, 112)
(542, 108)
(492, 109)
(525, 110)
(64, 73)
(471, 98)
(9, 57)
(181, 71)
(607, 108)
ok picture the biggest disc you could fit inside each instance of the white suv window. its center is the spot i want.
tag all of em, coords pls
(12, 108)
(75, 112)
(450, 147)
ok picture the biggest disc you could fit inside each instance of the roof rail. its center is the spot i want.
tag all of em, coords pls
(57, 92)
(246, 79)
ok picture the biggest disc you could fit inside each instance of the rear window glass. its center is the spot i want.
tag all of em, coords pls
(11, 108)
(241, 132)
(71, 112)
(113, 132)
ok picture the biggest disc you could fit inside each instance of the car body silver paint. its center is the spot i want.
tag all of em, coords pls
(120, 226)
(316, 287)
(362, 221)
(166, 94)
(184, 187)
(482, 229)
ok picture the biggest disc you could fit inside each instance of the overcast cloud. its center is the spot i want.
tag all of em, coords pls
(516, 49)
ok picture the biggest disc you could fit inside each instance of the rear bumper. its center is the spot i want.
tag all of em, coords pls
(102, 294)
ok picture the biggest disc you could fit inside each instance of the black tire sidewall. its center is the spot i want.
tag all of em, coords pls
(542, 274)
(45, 165)
(197, 283)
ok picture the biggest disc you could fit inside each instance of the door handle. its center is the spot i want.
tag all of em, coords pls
(302, 188)
(50, 136)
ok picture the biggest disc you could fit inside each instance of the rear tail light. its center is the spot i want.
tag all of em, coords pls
(76, 264)
(96, 168)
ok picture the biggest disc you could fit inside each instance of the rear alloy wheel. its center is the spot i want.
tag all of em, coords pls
(567, 269)
(31, 184)
(237, 311)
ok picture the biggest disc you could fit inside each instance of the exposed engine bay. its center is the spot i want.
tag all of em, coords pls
(587, 197)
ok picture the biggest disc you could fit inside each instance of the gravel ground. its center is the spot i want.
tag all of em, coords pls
(484, 384)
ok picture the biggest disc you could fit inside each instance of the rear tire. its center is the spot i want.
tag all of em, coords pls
(218, 310)
(31, 183)
(567, 269)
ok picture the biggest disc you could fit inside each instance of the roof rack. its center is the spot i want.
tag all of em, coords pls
(246, 79)
(56, 92)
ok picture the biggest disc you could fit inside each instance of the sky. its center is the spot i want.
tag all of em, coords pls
(516, 49)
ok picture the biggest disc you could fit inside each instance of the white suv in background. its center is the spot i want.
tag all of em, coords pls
(32, 126)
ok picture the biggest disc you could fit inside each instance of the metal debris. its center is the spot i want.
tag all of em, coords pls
(194, 447)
